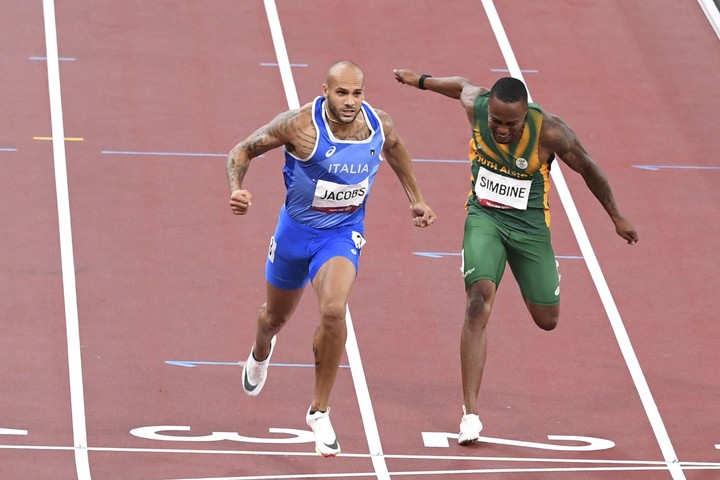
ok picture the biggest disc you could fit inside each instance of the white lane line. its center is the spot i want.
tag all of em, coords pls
(588, 253)
(306, 453)
(363, 395)
(433, 473)
(77, 397)
(281, 54)
(710, 10)
(361, 390)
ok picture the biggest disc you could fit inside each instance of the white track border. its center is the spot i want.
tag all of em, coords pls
(77, 396)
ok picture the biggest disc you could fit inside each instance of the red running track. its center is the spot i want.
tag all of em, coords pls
(154, 93)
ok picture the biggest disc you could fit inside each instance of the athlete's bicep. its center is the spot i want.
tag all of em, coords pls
(393, 146)
(282, 130)
(560, 139)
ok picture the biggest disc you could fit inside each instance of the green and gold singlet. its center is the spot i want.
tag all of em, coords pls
(508, 217)
(508, 180)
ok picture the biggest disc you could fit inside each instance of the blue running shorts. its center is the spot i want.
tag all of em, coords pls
(297, 251)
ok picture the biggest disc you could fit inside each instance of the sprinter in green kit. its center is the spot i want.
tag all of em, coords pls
(508, 221)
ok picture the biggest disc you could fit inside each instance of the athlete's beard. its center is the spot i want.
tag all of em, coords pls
(328, 110)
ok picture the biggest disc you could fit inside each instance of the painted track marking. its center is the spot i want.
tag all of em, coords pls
(457, 254)
(72, 327)
(710, 10)
(67, 139)
(194, 363)
(583, 465)
(60, 59)
(164, 154)
(653, 168)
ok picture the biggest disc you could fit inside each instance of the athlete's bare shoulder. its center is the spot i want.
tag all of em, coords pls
(388, 126)
(385, 119)
(287, 124)
(555, 135)
(467, 98)
(297, 130)
(470, 93)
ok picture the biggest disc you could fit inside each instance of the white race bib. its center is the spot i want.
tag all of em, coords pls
(498, 191)
(333, 197)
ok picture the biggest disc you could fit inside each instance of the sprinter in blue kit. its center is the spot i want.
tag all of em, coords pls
(333, 147)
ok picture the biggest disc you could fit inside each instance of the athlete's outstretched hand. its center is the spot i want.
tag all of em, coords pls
(422, 214)
(408, 77)
(626, 230)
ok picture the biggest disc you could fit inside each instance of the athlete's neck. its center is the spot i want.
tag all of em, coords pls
(360, 118)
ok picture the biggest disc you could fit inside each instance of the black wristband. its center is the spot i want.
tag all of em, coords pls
(421, 82)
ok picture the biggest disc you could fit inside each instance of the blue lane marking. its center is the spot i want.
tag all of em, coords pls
(165, 154)
(676, 167)
(8, 149)
(200, 154)
(523, 70)
(62, 59)
(436, 254)
(457, 254)
(193, 364)
(270, 64)
(432, 160)
(190, 364)
(642, 167)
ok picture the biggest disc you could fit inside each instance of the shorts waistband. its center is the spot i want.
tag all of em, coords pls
(285, 218)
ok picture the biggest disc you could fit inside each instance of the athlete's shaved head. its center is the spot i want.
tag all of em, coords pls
(344, 68)
(509, 90)
(344, 89)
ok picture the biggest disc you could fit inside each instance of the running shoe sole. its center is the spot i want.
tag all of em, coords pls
(321, 447)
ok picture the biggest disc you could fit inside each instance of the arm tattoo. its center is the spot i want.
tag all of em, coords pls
(272, 135)
(305, 143)
(236, 173)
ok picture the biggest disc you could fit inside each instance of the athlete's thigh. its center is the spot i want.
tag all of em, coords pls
(483, 252)
(346, 243)
(288, 261)
(281, 303)
(532, 261)
(333, 283)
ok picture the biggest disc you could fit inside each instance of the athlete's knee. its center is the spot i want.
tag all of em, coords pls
(273, 319)
(545, 317)
(548, 323)
(332, 327)
(479, 305)
(332, 312)
(477, 310)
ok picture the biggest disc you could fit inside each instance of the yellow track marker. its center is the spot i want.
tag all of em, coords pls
(67, 139)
